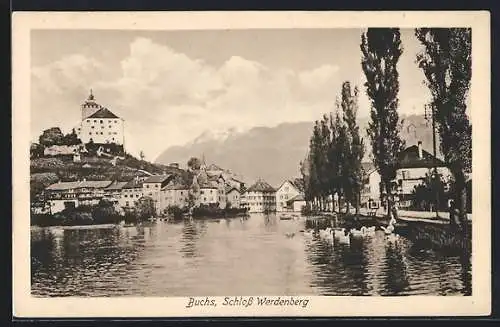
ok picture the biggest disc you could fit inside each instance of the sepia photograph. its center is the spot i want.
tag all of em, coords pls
(261, 170)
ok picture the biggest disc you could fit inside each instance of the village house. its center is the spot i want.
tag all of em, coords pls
(63, 195)
(261, 197)
(285, 192)
(174, 195)
(113, 192)
(151, 187)
(414, 165)
(297, 203)
(131, 193)
(99, 124)
(233, 197)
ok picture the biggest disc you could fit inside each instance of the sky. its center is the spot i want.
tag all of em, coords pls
(171, 86)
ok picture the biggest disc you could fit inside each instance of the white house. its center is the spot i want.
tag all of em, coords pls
(63, 195)
(99, 124)
(287, 191)
(261, 197)
(414, 164)
(297, 203)
(174, 195)
(152, 186)
(233, 196)
(131, 193)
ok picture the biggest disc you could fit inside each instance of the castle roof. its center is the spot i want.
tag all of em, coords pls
(103, 113)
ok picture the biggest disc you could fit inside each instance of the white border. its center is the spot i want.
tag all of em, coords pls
(478, 304)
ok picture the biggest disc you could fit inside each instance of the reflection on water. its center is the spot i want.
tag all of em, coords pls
(237, 256)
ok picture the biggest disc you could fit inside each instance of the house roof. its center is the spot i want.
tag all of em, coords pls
(261, 186)
(103, 113)
(134, 183)
(299, 197)
(62, 186)
(237, 180)
(290, 182)
(209, 184)
(116, 186)
(214, 167)
(230, 188)
(156, 179)
(175, 186)
(409, 158)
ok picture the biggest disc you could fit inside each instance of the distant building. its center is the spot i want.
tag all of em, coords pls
(99, 124)
(297, 203)
(233, 197)
(152, 186)
(174, 195)
(131, 193)
(414, 164)
(113, 192)
(261, 197)
(73, 194)
(285, 192)
(209, 193)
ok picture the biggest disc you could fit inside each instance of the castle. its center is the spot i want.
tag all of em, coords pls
(99, 124)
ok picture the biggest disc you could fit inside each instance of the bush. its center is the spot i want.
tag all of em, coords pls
(176, 211)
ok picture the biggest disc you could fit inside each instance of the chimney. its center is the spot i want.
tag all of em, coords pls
(420, 154)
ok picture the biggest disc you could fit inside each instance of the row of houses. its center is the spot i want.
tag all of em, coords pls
(166, 191)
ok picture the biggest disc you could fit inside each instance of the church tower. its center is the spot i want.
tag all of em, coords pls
(89, 107)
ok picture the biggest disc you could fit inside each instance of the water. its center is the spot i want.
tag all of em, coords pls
(234, 256)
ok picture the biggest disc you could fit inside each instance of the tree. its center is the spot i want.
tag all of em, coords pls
(51, 136)
(71, 138)
(446, 63)
(145, 208)
(194, 163)
(354, 144)
(381, 49)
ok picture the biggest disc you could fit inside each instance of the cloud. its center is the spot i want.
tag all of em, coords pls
(168, 98)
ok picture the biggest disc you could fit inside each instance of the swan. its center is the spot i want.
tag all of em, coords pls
(345, 238)
(308, 233)
(325, 232)
(392, 237)
(356, 233)
(329, 237)
(339, 232)
(388, 230)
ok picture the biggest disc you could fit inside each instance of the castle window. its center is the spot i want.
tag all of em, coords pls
(90, 133)
(91, 126)
(88, 120)
(95, 121)
(101, 133)
(101, 121)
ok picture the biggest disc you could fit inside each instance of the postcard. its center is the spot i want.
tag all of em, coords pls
(251, 164)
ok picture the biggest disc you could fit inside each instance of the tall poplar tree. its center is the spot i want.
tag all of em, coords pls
(381, 49)
(446, 62)
(354, 143)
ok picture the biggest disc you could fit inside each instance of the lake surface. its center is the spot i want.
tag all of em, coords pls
(236, 256)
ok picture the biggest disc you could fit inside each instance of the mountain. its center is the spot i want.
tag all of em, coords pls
(273, 153)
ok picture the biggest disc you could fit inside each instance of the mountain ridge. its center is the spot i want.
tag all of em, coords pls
(274, 153)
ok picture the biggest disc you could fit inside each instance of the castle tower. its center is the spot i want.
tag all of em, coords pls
(89, 107)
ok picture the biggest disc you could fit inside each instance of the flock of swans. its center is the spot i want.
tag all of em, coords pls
(344, 236)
